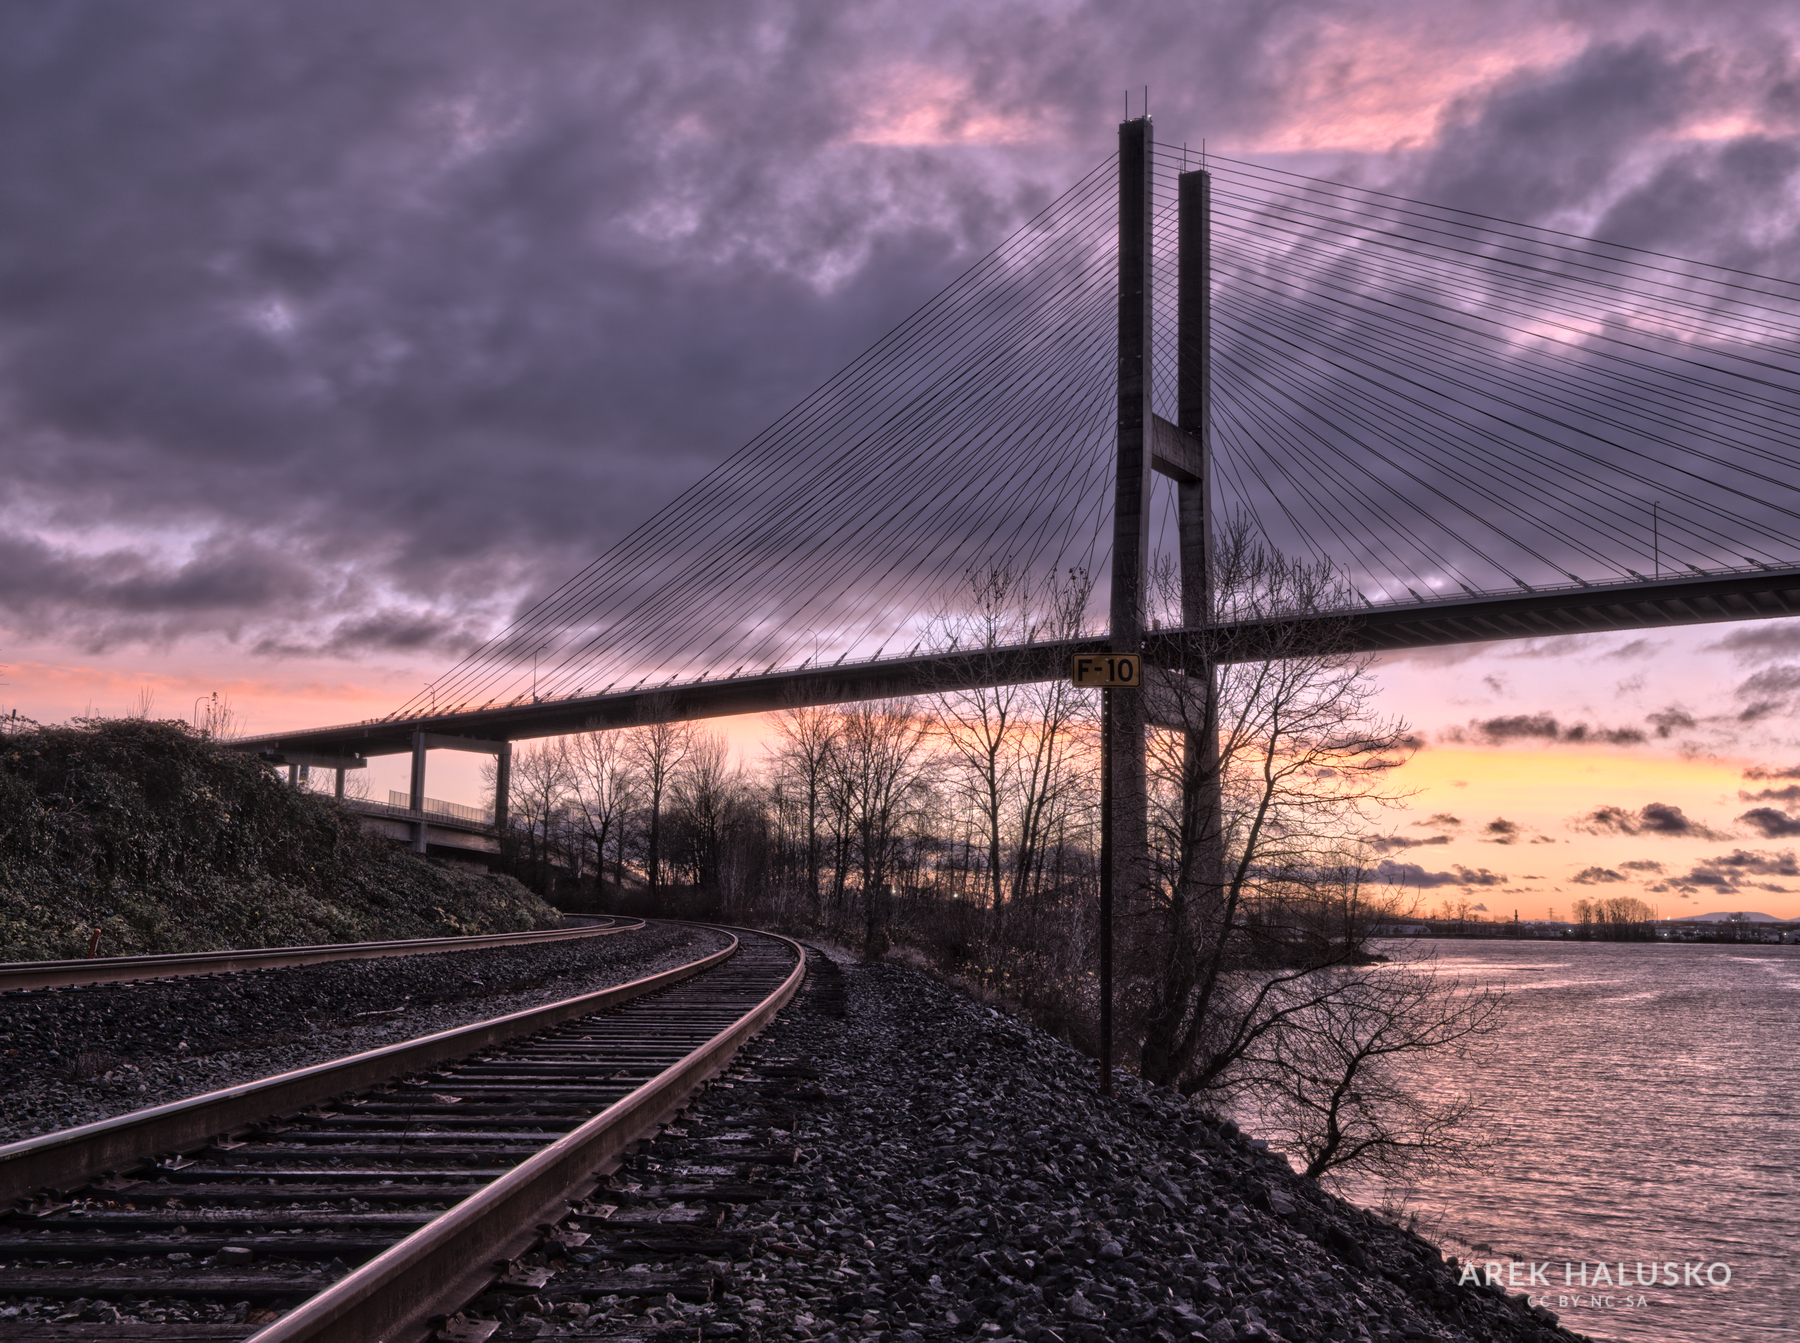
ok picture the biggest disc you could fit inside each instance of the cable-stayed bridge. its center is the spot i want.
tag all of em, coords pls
(1484, 430)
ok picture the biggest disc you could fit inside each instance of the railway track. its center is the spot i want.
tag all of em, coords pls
(16, 975)
(362, 1198)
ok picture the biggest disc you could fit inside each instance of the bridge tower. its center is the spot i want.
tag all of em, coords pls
(1123, 808)
(1147, 443)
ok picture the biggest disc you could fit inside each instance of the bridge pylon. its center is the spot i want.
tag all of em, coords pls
(1147, 443)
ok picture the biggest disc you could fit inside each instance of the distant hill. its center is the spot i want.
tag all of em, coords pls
(1746, 916)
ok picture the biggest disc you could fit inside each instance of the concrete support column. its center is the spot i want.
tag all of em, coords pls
(1203, 798)
(339, 790)
(416, 800)
(293, 776)
(502, 785)
(1131, 506)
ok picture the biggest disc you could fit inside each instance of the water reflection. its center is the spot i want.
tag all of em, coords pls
(1643, 1098)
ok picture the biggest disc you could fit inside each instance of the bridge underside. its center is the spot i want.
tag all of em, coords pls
(1652, 604)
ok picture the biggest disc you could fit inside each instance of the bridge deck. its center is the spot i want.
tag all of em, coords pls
(1600, 608)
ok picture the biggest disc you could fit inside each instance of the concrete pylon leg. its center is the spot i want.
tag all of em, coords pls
(1203, 798)
(416, 799)
(502, 785)
(1131, 504)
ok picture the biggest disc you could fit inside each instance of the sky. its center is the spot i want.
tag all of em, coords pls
(331, 334)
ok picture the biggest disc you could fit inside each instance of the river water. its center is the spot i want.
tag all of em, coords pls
(1644, 1099)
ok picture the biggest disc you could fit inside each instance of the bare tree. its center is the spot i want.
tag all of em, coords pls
(657, 750)
(876, 774)
(541, 780)
(1254, 831)
(703, 790)
(1340, 1086)
(215, 717)
(1014, 749)
(605, 783)
(807, 742)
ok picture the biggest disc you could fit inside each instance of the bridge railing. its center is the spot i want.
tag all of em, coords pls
(474, 819)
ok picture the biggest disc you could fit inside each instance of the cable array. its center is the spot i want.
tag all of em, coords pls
(1440, 402)
(976, 433)
(1435, 401)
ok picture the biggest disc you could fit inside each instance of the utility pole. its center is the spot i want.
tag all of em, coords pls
(1109, 672)
(1106, 892)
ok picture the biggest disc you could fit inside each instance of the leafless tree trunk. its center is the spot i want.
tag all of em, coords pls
(877, 770)
(1301, 759)
(540, 792)
(656, 750)
(703, 790)
(808, 741)
(1012, 746)
(1337, 1085)
(605, 782)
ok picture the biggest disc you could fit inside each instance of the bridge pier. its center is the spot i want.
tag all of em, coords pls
(416, 793)
(502, 785)
(422, 742)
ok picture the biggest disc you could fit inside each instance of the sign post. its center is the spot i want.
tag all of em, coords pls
(1106, 671)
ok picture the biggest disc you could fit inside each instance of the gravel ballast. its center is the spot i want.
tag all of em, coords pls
(75, 1055)
(950, 1172)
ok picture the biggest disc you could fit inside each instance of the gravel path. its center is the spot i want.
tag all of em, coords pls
(74, 1055)
(957, 1176)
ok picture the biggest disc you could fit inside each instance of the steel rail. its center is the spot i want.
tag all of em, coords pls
(70, 1157)
(174, 965)
(393, 1297)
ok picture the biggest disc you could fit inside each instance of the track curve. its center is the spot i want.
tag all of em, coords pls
(455, 1150)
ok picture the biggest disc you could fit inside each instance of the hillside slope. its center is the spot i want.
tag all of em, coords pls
(165, 841)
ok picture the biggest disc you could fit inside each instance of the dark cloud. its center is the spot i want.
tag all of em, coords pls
(1542, 727)
(1760, 772)
(1553, 139)
(1412, 875)
(1789, 794)
(1595, 876)
(1441, 820)
(1670, 720)
(1396, 843)
(1764, 641)
(1656, 818)
(1770, 823)
(1501, 831)
(1641, 865)
(1637, 648)
(348, 328)
(1726, 874)
(1543, 139)
(1770, 691)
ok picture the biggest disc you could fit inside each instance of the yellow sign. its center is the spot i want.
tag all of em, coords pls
(1108, 671)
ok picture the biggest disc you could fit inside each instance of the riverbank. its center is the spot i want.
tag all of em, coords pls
(959, 1177)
